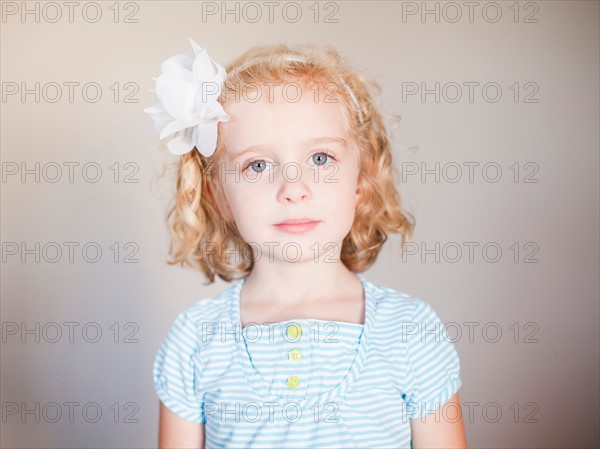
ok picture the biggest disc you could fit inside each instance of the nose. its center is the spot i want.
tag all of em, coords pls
(293, 187)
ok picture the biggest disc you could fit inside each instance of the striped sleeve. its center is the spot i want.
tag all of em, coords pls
(434, 360)
(177, 370)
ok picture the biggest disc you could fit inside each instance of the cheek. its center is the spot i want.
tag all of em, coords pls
(338, 202)
(340, 185)
(247, 202)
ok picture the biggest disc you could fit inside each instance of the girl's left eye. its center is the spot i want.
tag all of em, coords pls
(322, 156)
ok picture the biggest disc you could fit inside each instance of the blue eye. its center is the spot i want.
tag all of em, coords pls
(254, 164)
(322, 156)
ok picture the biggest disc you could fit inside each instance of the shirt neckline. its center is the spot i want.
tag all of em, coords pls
(262, 387)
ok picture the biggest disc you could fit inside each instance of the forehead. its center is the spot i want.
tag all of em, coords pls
(285, 113)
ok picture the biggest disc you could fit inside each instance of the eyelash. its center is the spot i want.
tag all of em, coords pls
(252, 161)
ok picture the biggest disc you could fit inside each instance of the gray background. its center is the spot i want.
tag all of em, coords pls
(548, 372)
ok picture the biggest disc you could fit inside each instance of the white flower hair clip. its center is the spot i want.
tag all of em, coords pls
(187, 90)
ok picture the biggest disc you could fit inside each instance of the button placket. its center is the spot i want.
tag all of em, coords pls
(295, 345)
(277, 389)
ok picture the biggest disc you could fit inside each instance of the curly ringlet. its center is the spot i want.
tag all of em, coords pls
(198, 218)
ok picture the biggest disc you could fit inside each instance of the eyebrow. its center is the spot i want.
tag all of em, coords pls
(255, 148)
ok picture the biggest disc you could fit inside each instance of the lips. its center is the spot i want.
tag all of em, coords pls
(297, 225)
(295, 221)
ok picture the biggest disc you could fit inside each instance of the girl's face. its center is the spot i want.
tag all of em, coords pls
(290, 155)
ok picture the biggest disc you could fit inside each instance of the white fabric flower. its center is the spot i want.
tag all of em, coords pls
(187, 106)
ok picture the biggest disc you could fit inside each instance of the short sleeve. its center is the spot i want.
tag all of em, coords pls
(177, 370)
(434, 361)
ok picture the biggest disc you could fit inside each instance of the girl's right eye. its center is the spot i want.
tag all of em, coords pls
(256, 165)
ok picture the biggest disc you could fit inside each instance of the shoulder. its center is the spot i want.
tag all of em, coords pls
(402, 317)
(394, 304)
(199, 321)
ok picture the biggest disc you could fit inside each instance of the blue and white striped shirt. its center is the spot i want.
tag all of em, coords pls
(307, 382)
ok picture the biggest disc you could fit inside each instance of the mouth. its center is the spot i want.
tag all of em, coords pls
(297, 225)
(295, 221)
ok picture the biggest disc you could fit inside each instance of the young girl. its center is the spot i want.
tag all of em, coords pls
(285, 186)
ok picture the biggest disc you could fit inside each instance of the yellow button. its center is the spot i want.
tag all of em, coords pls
(293, 382)
(294, 331)
(295, 355)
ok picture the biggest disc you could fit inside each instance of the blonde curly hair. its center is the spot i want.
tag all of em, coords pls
(202, 234)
